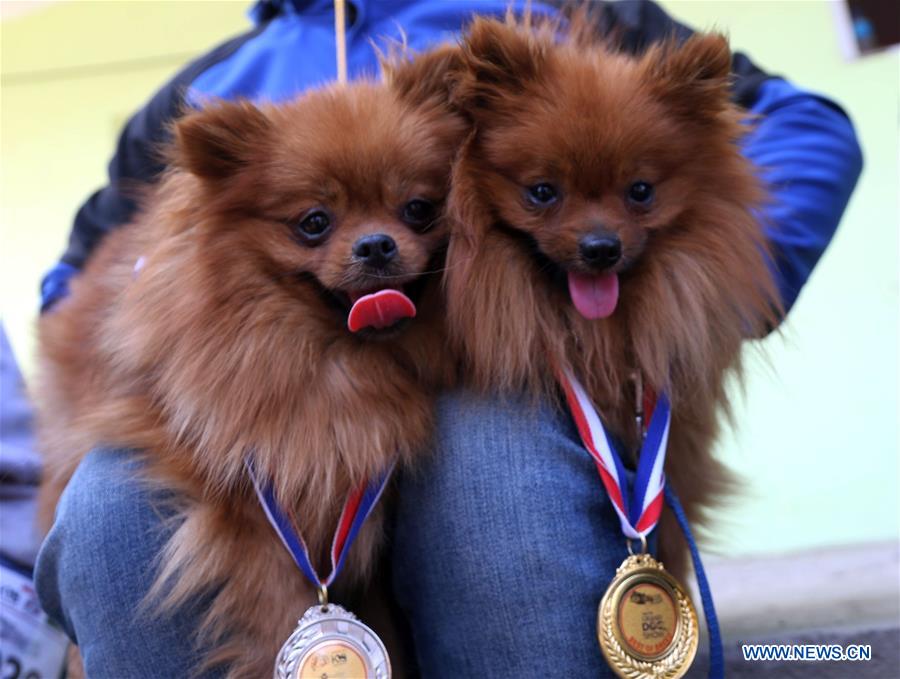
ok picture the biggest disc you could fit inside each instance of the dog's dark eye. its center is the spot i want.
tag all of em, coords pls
(419, 213)
(314, 225)
(640, 194)
(542, 194)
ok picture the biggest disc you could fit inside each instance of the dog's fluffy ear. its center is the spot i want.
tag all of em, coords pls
(426, 78)
(693, 76)
(219, 141)
(500, 58)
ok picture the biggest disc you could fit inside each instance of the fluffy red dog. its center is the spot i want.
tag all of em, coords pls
(604, 222)
(216, 325)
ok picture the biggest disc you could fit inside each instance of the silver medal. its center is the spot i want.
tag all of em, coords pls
(332, 643)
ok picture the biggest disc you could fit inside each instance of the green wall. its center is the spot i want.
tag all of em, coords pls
(817, 430)
(817, 433)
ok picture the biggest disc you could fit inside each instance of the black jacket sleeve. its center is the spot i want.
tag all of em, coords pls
(136, 160)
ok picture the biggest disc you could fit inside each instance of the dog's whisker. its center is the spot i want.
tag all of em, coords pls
(347, 281)
(441, 269)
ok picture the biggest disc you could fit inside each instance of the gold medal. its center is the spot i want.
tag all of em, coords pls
(646, 624)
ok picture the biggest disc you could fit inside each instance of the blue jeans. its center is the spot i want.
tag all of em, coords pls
(503, 545)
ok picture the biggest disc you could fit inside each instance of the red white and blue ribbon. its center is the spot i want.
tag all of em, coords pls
(640, 515)
(358, 506)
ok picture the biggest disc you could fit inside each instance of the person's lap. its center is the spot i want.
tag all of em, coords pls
(503, 545)
(98, 563)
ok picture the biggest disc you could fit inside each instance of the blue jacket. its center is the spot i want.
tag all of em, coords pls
(804, 141)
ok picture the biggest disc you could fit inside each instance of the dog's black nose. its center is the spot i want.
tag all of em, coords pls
(600, 250)
(375, 250)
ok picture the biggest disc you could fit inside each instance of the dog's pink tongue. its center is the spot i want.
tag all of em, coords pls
(594, 296)
(380, 310)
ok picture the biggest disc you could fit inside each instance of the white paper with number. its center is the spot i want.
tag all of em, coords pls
(31, 647)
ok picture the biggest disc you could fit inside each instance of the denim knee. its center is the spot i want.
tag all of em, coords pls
(93, 516)
(98, 562)
(504, 542)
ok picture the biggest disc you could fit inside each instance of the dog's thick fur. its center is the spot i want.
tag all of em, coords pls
(573, 111)
(227, 341)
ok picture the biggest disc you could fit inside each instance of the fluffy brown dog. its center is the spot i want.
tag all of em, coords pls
(217, 324)
(603, 221)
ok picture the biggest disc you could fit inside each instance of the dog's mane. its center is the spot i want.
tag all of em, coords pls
(700, 288)
(702, 285)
